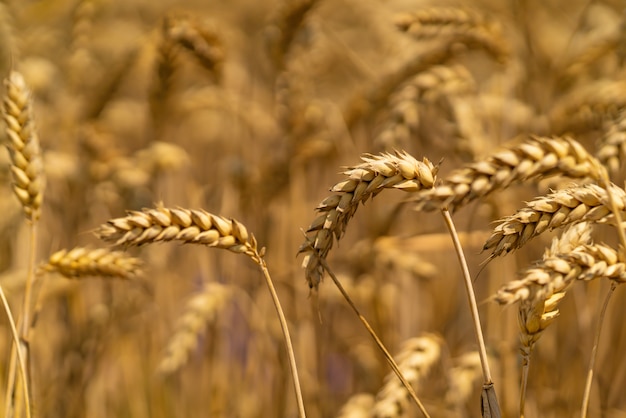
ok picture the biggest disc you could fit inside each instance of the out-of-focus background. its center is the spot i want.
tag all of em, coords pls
(250, 109)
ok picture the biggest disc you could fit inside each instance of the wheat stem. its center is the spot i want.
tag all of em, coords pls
(379, 343)
(16, 341)
(489, 399)
(283, 324)
(594, 352)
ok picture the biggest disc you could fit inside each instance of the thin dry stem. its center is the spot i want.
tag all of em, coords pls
(379, 343)
(417, 356)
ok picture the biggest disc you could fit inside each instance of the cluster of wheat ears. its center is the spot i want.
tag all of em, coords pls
(495, 133)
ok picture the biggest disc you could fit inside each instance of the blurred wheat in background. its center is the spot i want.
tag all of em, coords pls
(118, 116)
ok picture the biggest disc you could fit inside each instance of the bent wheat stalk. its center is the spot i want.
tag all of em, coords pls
(199, 227)
(377, 172)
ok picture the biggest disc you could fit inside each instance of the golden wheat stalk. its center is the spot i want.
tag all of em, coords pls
(80, 262)
(576, 204)
(377, 172)
(532, 159)
(203, 308)
(23, 145)
(196, 226)
(417, 356)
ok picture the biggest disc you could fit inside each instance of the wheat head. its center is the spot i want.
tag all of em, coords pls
(417, 356)
(576, 204)
(23, 145)
(377, 172)
(532, 159)
(80, 262)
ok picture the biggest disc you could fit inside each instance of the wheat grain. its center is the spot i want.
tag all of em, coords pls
(532, 159)
(588, 106)
(204, 44)
(612, 147)
(556, 273)
(189, 226)
(23, 146)
(81, 262)
(417, 356)
(464, 25)
(427, 87)
(377, 172)
(575, 204)
(202, 309)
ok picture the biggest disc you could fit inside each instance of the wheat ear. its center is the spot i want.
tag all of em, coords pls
(202, 308)
(358, 406)
(28, 185)
(464, 25)
(575, 204)
(199, 227)
(532, 159)
(377, 172)
(23, 146)
(80, 262)
(535, 314)
(417, 356)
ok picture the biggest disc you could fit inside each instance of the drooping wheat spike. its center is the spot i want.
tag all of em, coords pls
(580, 63)
(188, 226)
(377, 172)
(200, 227)
(288, 20)
(575, 204)
(532, 159)
(23, 145)
(81, 262)
(358, 406)
(556, 273)
(401, 126)
(612, 147)
(203, 308)
(203, 43)
(366, 103)
(463, 25)
(416, 358)
(588, 106)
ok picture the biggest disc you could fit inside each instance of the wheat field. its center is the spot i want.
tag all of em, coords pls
(198, 196)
